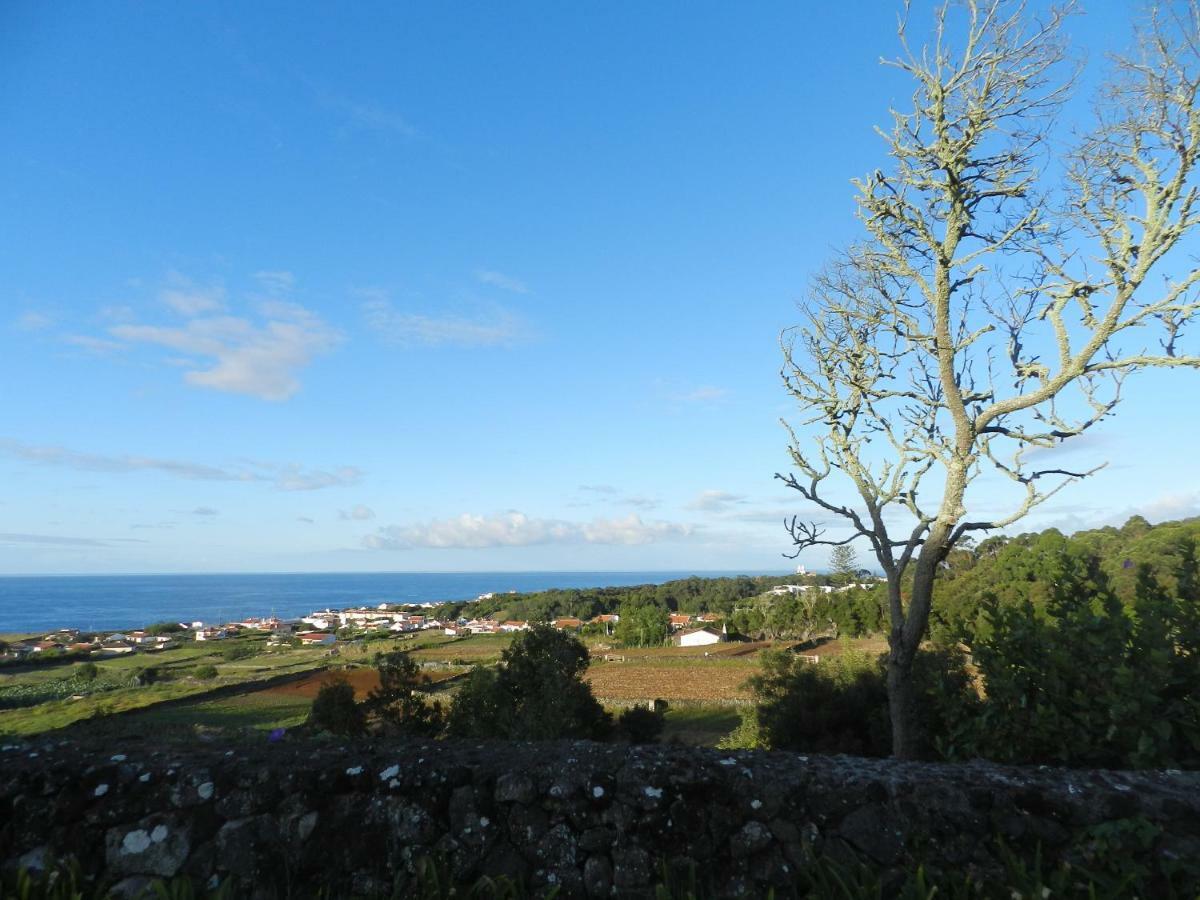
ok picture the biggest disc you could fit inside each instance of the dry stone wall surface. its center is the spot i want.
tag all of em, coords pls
(596, 820)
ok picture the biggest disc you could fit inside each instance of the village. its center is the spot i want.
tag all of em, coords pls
(324, 628)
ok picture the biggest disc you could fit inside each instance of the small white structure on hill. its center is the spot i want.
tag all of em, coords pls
(699, 637)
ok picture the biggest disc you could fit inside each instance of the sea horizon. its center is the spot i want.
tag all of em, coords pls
(35, 603)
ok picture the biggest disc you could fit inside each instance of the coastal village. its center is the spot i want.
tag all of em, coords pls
(325, 628)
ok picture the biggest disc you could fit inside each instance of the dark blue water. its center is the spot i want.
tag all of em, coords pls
(29, 604)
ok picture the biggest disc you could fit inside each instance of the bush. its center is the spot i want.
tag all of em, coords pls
(87, 671)
(840, 704)
(237, 651)
(334, 708)
(1086, 681)
(641, 725)
(398, 702)
(538, 693)
(205, 672)
(165, 628)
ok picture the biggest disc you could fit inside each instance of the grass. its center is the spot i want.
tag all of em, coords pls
(259, 711)
(699, 726)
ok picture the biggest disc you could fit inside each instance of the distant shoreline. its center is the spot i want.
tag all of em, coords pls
(30, 604)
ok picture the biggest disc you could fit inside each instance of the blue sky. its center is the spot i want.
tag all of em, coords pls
(438, 287)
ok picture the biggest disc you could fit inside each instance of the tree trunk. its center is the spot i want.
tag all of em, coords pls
(908, 738)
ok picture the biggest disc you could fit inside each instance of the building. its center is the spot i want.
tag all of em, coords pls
(700, 637)
(568, 623)
(514, 625)
(317, 639)
(679, 620)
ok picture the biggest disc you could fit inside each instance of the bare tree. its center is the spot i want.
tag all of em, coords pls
(1004, 289)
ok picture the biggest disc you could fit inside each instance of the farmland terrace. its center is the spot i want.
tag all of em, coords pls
(592, 819)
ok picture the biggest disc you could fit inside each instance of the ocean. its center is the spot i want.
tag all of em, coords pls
(43, 603)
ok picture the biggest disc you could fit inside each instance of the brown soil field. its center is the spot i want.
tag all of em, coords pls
(363, 680)
(646, 681)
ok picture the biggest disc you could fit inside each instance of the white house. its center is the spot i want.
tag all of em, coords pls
(700, 637)
(317, 639)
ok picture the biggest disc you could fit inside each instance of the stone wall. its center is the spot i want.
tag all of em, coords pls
(595, 819)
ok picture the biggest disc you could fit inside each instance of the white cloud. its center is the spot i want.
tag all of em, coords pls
(502, 281)
(33, 321)
(275, 282)
(716, 501)
(496, 328)
(598, 488)
(289, 477)
(704, 394)
(234, 354)
(190, 299)
(516, 529)
(98, 346)
(359, 513)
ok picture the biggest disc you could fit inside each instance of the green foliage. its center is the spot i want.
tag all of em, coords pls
(398, 702)
(843, 563)
(839, 705)
(537, 693)
(206, 672)
(641, 625)
(641, 725)
(87, 671)
(334, 709)
(159, 628)
(1086, 680)
(836, 706)
(240, 650)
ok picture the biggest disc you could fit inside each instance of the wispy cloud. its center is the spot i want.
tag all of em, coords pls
(502, 281)
(276, 283)
(237, 355)
(640, 502)
(98, 346)
(516, 529)
(358, 513)
(704, 394)
(51, 539)
(306, 520)
(190, 299)
(598, 488)
(368, 115)
(33, 321)
(716, 501)
(283, 477)
(205, 511)
(496, 327)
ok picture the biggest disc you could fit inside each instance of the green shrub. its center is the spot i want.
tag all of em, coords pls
(87, 671)
(641, 725)
(206, 672)
(237, 651)
(334, 709)
(398, 702)
(537, 693)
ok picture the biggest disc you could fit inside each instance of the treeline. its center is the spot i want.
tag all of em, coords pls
(685, 595)
(1003, 572)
